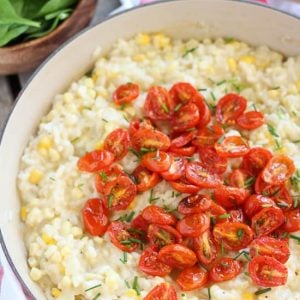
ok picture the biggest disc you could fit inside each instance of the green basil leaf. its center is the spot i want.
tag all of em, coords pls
(11, 33)
(55, 5)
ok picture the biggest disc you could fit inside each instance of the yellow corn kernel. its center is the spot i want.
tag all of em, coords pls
(143, 39)
(48, 239)
(55, 292)
(45, 142)
(249, 59)
(248, 296)
(139, 57)
(35, 176)
(113, 75)
(161, 41)
(62, 269)
(273, 93)
(232, 64)
(23, 213)
(99, 145)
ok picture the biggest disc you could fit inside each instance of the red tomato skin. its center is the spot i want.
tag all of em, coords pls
(236, 215)
(215, 211)
(207, 136)
(95, 217)
(169, 236)
(145, 179)
(183, 92)
(283, 198)
(268, 265)
(163, 291)
(224, 269)
(150, 264)
(230, 107)
(255, 203)
(184, 151)
(232, 147)
(273, 215)
(250, 120)
(269, 246)
(264, 188)
(158, 161)
(140, 223)
(96, 160)
(292, 220)
(117, 142)
(192, 278)
(204, 111)
(183, 139)
(126, 93)
(157, 215)
(177, 256)
(137, 124)
(238, 177)
(194, 204)
(184, 187)
(193, 225)
(176, 169)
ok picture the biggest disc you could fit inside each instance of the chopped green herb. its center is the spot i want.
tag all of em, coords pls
(177, 107)
(135, 285)
(220, 140)
(213, 96)
(244, 253)
(272, 130)
(103, 176)
(275, 88)
(262, 291)
(135, 230)
(282, 204)
(254, 106)
(104, 120)
(294, 237)
(93, 287)
(152, 198)
(173, 194)
(222, 248)
(202, 90)
(127, 284)
(213, 220)
(125, 117)
(52, 178)
(296, 142)
(164, 107)
(110, 200)
(123, 106)
(229, 40)
(136, 153)
(131, 241)
(124, 258)
(295, 201)
(209, 293)
(169, 209)
(189, 51)
(211, 107)
(178, 194)
(278, 145)
(224, 216)
(249, 182)
(240, 233)
(247, 274)
(221, 82)
(202, 266)
(80, 185)
(89, 73)
(97, 296)
(74, 141)
(126, 217)
(146, 150)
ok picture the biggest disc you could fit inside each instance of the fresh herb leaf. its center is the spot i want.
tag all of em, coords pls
(209, 293)
(189, 51)
(240, 233)
(222, 248)
(254, 106)
(221, 82)
(272, 130)
(295, 237)
(127, 284)
(126, 217)
(249, 182)
(152, 198)
(244, 253)
(262, 291)
(224, 216)
(103, 176)
(124, 258)
(93, 287)
(213, 96)
(104, 120)
(229, 40)
(135, 152)
(97, 296)
(177, 107)
(220, 140)
(202, 90)
(135, 286)
(110, 200)
(130, 241)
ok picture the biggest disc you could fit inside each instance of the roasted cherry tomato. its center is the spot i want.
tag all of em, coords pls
(183, 92)
(140, 223)
(150, 264)
(216, 212)
(236, 215)
(158, 105)
(193, 225)
(204, 111)
(250, 120)
(192, 278)
(194, 204)
(157, 215)
(117, 142)
(267, 271)
(183, 151)
(255, 203)
(177, 256)
(283, 198)
(145, 179)
(182, 185)
(224, 269)
(230, 107)
(126, 93)
(279, 169)
(163, 291)
(150, 139)
(200, 176)
(269, 246)
(96, 160)
(95, 217)
(267, 220)
(137, 124)
(162, 235)
(292, 220)
(211, 160)
(232, 146)
(233, 235)
(230, 197)
(183, 139)
(157, 161)
(264, 188)
(206, 247)
(186, 117)
(207, 136)
(176, 169)
(121, 237)
(122, 192)
(256, 159)
(241, 179)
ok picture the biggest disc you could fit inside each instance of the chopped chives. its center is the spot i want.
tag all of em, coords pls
(221, 82)
(220, 140)
(294, 237)
(93, 287)
(224, 216)
(262, 291)
(124, 258)
(213, 96)
(135, 285)
(97, 296)
(209, 293)
(177, 107)
(240, 233)
(110, 200)
(272, 130)
(189, 51)
(127, 284)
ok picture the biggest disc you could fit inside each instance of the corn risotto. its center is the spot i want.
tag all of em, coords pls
(69, 264)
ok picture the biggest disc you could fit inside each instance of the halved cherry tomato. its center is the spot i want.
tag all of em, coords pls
(233, 235)
(292, 220)
(162, 235)
(137, 124)
(150, 139)
(215, 211)
(211, 160)
(224, 269)
(241, 179)
(206, 247)
(283, 198)
(230, 107)
(183, 92)
(186, 117)
(192, 278)
(269, 246)
(278, 170)
(200, 176)
(117, 142)
(267, 271)
(158, 105)
(204, 111)
(163, 291)
(193, 225)
(183, 139)
(230, 197)
(157, 215)
(250, 120)
(183, 151)
(122, 192)
(207, 136)
(232, 146)
(126, 93)
(236, 215)
(96, 160)
(157, 161)
(176, 169)
(121, 237)
(255, 203)
(140, 223)
(145, 179)
(256, 159)
(194, 204)
(267, 220)
(150, 264)
(264, 188)
(95, 217)
(183, 186)
(177, 256)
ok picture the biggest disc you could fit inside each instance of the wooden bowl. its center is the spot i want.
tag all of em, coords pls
(26, 56)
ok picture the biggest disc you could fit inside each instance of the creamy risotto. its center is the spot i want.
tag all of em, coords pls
(68, 263)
